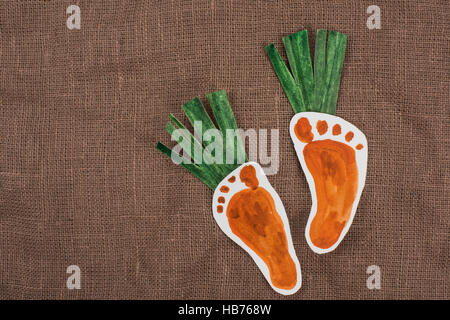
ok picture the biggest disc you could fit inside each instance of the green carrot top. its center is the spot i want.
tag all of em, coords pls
(210, 160)
(309, 90)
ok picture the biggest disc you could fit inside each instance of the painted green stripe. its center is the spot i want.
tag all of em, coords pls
(332, 44)
(207, 171)
(319, 69)
(182, 140)
(225, 120)
(190, 144)
(200, 113)
(307, 90)
(185, 140)
(197, 171)
(288, 83)
(299, 57)
(328, 62)
(335, 77)
(195, 112)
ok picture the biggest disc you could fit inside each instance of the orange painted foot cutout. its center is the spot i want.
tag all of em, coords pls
(250, 212)
(333, 155)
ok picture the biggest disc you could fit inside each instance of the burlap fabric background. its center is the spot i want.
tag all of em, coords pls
(81, 182)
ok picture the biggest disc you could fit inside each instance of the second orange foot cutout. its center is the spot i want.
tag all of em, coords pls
(333, 155)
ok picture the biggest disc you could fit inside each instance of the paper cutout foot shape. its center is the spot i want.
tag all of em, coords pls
(333, 155)
(250, 212)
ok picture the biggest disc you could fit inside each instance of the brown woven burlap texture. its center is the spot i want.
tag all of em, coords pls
(82, 184)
